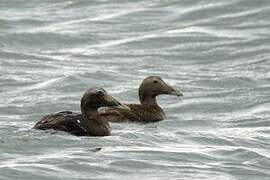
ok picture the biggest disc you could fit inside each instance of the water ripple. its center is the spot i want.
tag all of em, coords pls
(215, 52)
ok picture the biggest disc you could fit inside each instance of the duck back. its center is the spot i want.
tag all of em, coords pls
(64, 121)
(137, 112)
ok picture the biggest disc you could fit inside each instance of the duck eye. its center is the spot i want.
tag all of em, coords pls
(155, 81)
(100, 92)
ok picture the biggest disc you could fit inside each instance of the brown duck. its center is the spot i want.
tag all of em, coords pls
(148, 110)
(87, 123)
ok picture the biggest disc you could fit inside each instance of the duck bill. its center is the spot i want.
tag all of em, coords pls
(168, 89)
(173, 91)
(176, 93)
(112, 102)
(122, 106)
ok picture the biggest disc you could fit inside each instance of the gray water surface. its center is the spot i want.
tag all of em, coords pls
(216, 52)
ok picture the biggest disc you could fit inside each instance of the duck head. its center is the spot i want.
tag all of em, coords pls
(97, 97)
(153, 86)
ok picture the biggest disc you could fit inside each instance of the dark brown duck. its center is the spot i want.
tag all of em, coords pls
(148, 110)
(89, 122)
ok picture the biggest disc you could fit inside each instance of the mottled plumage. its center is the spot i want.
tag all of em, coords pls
(137, 112)
(63, 121)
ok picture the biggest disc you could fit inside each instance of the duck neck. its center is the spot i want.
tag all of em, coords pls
(95, 124)
(91, 114)
(147, 99)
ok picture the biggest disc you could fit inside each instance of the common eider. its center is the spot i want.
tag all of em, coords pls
(148, 110)
(87, 123)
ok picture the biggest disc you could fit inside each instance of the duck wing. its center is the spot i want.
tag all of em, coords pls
(64, 121)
